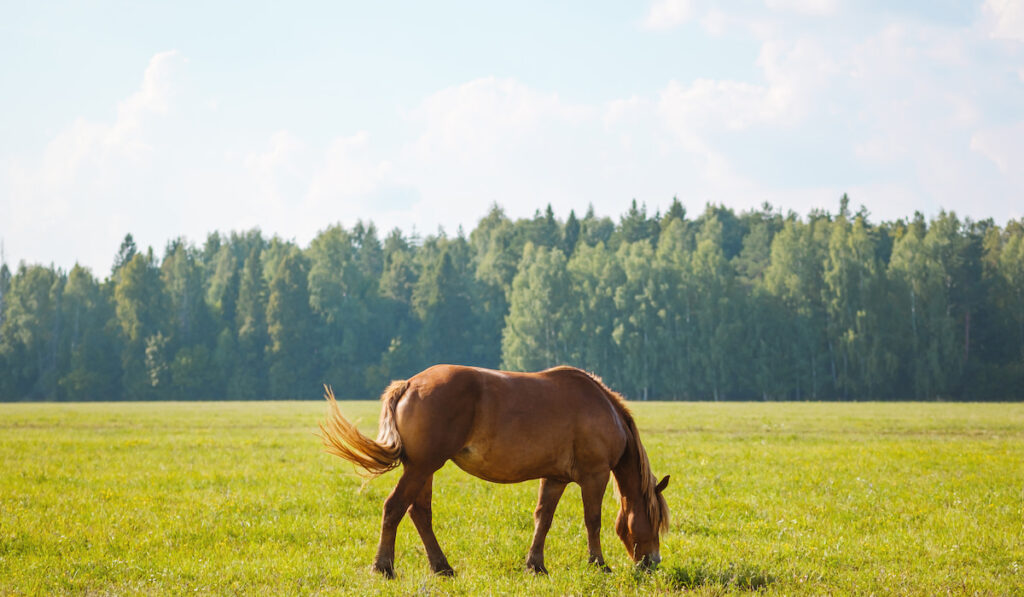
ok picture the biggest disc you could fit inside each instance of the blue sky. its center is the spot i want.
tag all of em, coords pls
(177, 119)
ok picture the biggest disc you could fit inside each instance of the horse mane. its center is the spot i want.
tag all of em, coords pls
(657, 507)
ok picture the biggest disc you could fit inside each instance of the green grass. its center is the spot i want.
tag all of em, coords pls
(237, 498)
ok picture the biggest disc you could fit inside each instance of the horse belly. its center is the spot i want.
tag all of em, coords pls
(503, 459)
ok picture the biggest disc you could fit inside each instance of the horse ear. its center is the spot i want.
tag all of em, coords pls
(661, 485)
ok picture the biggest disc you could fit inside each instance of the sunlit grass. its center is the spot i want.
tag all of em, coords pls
(233, 497)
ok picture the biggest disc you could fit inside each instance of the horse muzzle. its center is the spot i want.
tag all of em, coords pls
(649, 561)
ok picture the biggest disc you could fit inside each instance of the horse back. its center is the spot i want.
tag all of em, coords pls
(509, 427)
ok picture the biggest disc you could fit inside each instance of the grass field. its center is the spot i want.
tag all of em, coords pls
(229, 497)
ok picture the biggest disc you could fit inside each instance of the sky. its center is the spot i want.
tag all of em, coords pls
(176, 119)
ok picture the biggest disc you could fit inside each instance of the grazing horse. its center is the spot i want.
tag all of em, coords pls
(560, 425)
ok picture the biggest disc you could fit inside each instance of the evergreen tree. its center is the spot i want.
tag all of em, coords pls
(754, 305)
(290, 327)
(222, 288)
(398, 279)
(32, 330)
(222, 303)
(140, 306)
(249, 373)
(91, 373)
(6, 380)
(570, 234)
(594, 230)
(443, 304)
(125, 254)
(189, 361)
(676, 211)
(636, 226)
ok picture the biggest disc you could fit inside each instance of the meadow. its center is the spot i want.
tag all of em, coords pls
(768, 498)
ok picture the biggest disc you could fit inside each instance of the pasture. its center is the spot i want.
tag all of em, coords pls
(238, 498)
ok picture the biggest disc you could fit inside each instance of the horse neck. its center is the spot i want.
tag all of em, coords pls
(629, 474)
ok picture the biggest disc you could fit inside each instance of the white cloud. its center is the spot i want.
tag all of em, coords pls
(1004, 146)
(1007, 18)
(98, 146)
(900, 112)
(494, 139)
(68, 190)
(808, 7)
(279, 172)
(667, 14)
(715, 22)
(483, 113)
(794, 72)
(712, 104)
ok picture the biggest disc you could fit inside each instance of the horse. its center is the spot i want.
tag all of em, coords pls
(560, 425)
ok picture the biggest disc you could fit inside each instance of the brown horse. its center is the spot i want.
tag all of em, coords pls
(561, 425)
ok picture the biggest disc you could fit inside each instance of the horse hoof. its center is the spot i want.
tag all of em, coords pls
(600, 564)
(536, 568)
(385, 570)
(445, 571)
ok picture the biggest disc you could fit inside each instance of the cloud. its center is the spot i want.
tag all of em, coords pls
(481, 114)
(1007, 19)
(279, 171)
(468, 137)
(900, 110)
(1004, 146)
(710, 104)
(99, 146)
(82, 167)
(668, 14)
(351, 177)
(793, 74)
(807, 7)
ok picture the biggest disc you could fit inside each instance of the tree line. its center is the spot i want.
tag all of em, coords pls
(750, 306)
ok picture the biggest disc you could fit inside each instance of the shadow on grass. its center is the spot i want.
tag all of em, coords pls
(695, 574)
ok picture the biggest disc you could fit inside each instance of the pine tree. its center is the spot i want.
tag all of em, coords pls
(290, 326)
(442, 302)
(91, 373)
(570, 234)
(249, 373)
(636, 226)
(32, 330)
(141, 308)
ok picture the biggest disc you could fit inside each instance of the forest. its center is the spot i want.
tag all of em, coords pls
(757, 305)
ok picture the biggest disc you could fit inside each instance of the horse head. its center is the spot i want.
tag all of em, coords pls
(639, 523)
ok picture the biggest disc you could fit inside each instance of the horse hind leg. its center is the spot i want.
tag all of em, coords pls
(395, 506)
(592, 490)
(550, 492)
(420, 512)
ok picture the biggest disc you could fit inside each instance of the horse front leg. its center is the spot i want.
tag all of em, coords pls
(550, 492)
(409, 486)
(592, 489)
(422, 517)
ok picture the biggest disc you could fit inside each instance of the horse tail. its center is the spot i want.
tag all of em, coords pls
(342, 439)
